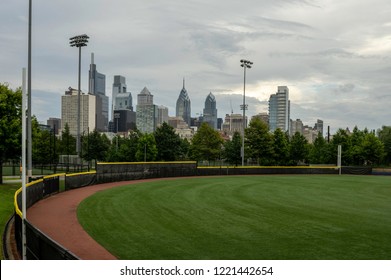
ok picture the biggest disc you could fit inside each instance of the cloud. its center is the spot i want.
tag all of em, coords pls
(333, 55)
(345, 88)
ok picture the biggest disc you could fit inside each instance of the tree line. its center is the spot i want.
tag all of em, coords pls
(262, 147)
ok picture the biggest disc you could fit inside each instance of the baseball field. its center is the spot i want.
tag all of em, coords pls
(244, 217)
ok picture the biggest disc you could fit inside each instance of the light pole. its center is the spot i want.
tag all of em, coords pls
(78, 41)
(29, 96)
(245, 64)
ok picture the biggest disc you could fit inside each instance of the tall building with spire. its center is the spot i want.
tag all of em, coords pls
(97, 87)
(183, 105)
(210, 111)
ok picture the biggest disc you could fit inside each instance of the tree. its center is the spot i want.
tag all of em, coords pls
(384, 135)
(98, 147)
(232, 149)
(206, 144)
(280, 147)
(146, 148)
(124, 149)
(343, 139)
(319, 152)
(10, 125)
(298, 148)
(42, 148)
(167, 142)
(356, 140)
(67, 144)
(259, 142)
(184, 149)
(372, 149)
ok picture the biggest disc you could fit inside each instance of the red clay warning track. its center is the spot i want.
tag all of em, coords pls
(56, 216)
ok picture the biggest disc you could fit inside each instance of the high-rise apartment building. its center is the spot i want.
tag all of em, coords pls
(87, 111)
(279, 110)
(146, 112)
(97, 87)
(183, 105)
(210, 111)
(319, 127)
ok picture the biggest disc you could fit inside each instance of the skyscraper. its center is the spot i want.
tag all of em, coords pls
(146, 112)
(279, 110)
(124, 117)
(119, 86)
(183, 105)
(210, 111)
(319, 127)
(123, 101)
(97, 87)
(162, 115)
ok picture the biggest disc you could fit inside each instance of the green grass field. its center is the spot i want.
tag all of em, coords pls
(14, 171)
(7, 192)
(245, 217)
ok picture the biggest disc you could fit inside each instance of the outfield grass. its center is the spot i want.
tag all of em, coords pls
(244, 217)
(7, 192)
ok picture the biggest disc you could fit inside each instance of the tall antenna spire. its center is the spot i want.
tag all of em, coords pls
(183, 82)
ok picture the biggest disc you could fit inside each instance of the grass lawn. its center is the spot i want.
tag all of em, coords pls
(7, 192)
(9, 171)
(245, 217)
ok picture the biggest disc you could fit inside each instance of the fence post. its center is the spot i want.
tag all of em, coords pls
(339, 159)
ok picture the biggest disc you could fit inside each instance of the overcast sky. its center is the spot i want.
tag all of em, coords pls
(335, 56)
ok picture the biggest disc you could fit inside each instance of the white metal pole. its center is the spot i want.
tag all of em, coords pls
(24, 132)
(78, 108)
(29, 123)
(244, 111)
(339, 158)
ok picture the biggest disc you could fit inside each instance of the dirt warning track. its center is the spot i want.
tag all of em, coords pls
(56, 216)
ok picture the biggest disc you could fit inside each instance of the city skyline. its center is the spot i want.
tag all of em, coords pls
(333, 56)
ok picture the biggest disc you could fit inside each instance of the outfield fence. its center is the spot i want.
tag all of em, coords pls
(79, 180)
(40, 246)
(265, 170)
(125, 171)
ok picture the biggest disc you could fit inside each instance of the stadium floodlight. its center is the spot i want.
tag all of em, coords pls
(245, 64)
(78, 41)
